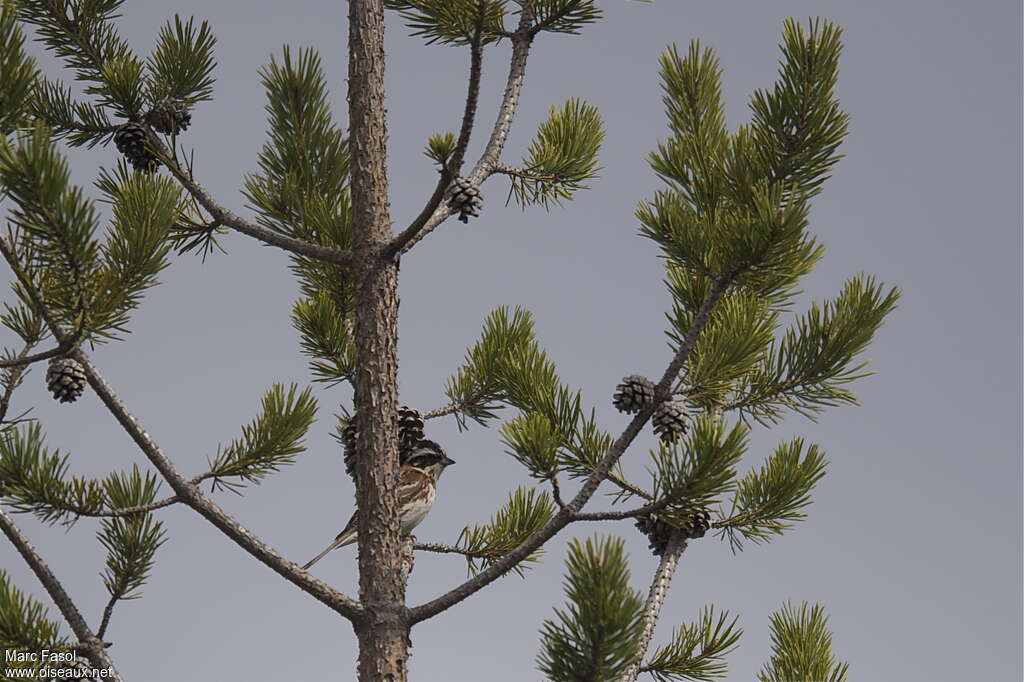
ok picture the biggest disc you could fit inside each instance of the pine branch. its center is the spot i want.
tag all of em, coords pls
(225, 217)
(564, 516)
(811, 365)
(82, 124)
(451, 164)
(655, 598)
(131, 543)
(802, 647)
(440, 548)
(83, 35)
(521, 41)
(768, 501)
(187, 491)
(597, 635)
(645, 510)
(563, 16)
(562, 156)
(12, 379)
(23, 360)
(452, 22)
(272, 440)
(91, 646)
(522, 515)
(24, 622)
(697, 650)
(18, 71)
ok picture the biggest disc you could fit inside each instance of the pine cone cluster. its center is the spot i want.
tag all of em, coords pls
(633, 394)
(130, 139)
(669, 420)
(466, 199)
(169, 116)
(410, 432)
(65, 378)
(698, 524)
(410, 427)
(658, 532)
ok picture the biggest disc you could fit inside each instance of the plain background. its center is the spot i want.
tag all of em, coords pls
(914, 542)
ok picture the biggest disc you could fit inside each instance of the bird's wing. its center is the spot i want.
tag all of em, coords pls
(412, 483)
(346, 537)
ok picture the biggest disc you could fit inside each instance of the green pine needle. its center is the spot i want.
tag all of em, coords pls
(268, 442)
(525, 513)
(24, 625)
(769, 500)
(562, 156)
(697, 651)
(597, 634)
(452, 22)
(181, 65)
(802, 647)
(18, 71)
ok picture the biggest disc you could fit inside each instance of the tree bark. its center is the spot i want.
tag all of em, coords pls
(383, 631)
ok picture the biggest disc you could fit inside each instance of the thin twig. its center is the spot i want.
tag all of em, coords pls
(227, 218)
(502, 169)
(556, 492)
(90, 644)
(24, 361)
(13, 379)
(652, 508)
(108, 611)
(564, 516)
(450, 408)
(655, 598)
(450, 549)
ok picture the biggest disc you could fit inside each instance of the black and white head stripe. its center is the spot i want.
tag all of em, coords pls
(427, 453)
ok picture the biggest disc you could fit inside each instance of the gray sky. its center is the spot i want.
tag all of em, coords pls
(914, 542)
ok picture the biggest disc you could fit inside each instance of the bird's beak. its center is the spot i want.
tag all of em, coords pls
(448, 461)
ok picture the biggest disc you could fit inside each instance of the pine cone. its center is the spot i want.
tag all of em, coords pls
(657, 531)
(698, 524)
(633, 393)
(130, 139)
(410, 432)
(466, 199)
(348, 440)
(65, 378)
(410, 427)
(669, 420)
(169, 116)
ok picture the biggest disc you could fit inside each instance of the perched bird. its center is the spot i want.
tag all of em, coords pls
(417, 489)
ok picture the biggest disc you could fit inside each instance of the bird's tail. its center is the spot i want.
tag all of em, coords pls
(345, 538)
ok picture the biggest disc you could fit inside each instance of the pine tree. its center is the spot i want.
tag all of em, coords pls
(731, 221)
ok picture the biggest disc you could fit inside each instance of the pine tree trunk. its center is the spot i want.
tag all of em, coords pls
(383, 633)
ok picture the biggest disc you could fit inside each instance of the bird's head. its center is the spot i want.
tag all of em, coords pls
(428, 456)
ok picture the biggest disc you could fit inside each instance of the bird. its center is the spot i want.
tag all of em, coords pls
(417, 490)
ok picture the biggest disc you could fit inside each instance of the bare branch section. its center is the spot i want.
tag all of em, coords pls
(190, 494)
(439, 548)
(565, 515)
(25, 360)
(90, 645)
(522, 39)
(187, 491)
(227, 218)
(651, 508)
(655, 598)
(12, 380)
